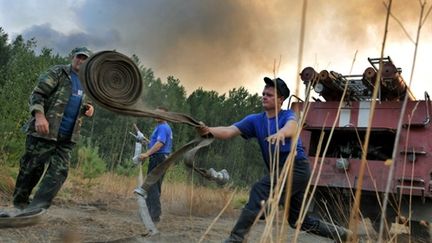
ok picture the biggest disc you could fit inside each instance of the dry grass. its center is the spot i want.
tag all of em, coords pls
(177, 198)
(181, 198)
(106, 188)
(7, 185)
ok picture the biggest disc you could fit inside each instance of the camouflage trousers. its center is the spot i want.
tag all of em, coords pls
(41, 153)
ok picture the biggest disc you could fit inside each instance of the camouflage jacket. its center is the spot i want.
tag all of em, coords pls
(51, 96)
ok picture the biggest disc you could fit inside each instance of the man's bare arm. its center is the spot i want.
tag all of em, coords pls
(158, 145)
(219, 132)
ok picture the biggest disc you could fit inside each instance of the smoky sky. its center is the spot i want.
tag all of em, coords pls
(47, 37)
(222, 44)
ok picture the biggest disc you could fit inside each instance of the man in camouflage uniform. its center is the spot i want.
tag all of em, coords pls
(57, 105)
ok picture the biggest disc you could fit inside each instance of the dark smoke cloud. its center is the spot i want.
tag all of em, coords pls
(222, 44)
(216, 44)
(63, 43)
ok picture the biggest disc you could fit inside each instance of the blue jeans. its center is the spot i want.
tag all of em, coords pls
(154, 193)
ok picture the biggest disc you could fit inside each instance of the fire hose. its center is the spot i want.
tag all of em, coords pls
(113, 81)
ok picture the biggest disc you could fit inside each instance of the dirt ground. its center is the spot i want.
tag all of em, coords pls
(109, 213)
(119, 222)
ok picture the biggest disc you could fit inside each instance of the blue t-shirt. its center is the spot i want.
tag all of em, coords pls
(163, 134)
(72, 108)
(260, 127)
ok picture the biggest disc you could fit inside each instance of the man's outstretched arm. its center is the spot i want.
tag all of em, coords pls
(220, 132)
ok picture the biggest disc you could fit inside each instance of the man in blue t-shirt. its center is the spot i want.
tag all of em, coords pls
(159, 148)
(262, 126)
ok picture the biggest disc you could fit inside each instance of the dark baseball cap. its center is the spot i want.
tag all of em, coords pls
(280, 85)
(81, 51)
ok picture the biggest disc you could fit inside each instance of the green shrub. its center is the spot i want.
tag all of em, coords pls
(177, 173)
(126, 169)
(90, 162)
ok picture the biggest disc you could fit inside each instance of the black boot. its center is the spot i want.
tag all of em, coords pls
(242, 227)
(332, 231)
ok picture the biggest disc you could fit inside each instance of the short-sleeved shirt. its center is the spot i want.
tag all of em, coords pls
(260, 127)
(163, 134)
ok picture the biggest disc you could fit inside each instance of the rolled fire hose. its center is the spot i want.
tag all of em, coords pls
(113, 81)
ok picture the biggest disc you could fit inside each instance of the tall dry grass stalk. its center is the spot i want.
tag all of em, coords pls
(301, 45)
(304, 207)
(405, 160)
(307, 200)
(422, 20)
(353, 223)
(284, 181)
(217, 217)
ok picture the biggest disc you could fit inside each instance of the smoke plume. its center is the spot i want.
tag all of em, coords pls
(220, 44)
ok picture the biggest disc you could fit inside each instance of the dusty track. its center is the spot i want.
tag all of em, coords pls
(118, 222)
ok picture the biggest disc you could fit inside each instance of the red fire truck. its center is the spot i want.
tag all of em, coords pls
(411, 183)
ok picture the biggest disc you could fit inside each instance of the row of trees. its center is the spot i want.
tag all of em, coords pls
(108, 133)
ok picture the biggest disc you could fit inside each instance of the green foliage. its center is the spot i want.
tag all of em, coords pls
(177, 173)
(90, 162)
(126, 169)
(109, 145)
(8, 171)
(19, 69)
